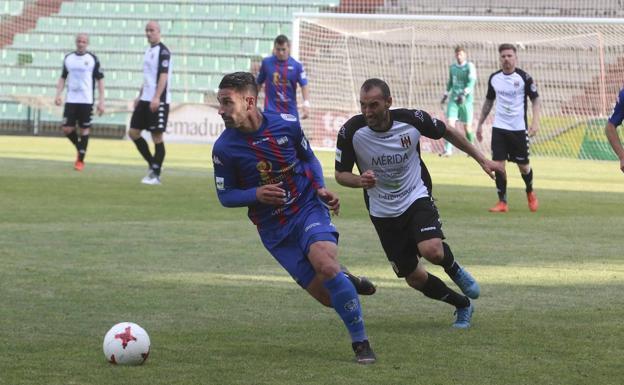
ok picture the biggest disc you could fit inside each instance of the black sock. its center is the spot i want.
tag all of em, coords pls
(448, 263)
(501, 187)
(436, 289)
(528, 180)
(143, 148)
(159, 157)
(82, 147)
(73, 137)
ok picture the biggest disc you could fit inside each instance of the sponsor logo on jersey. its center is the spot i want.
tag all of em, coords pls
(304, 143)
(406, 141)
(220, 183)
(257, 142)
(165, 63)
(342, 132)
(289, 117)
(419, 115)
(533, 87)
(216, 160)
(290, 68)
(282, 141)
(516, 83)
(338, 155)
(389, 159)
(430, 228)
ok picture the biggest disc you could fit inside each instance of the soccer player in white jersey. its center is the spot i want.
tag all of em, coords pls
(511, 87)
(81, 70)
(151, 108)
(384, 144)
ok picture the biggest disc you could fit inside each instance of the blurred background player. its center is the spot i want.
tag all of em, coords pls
(511, 87)
(151, 108)
(460, 88)
(280, 74)
(81, 70)
(263, 161)
(384, 144)
(611, 128)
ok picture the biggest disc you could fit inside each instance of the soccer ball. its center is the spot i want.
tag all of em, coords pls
(126, 344)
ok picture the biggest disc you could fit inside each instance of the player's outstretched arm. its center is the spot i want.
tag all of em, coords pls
(458, 139)
(614, 140)
(485, 111)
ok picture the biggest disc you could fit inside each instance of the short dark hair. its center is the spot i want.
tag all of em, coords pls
(281, 39)
(374, 82)
(506, 46)
(459, 48)
(241, 82)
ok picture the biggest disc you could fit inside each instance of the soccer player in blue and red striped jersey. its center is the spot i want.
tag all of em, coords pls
(280, 75)
(616, 118)
(264, 161)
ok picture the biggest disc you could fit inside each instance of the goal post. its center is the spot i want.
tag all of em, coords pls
(577, 63)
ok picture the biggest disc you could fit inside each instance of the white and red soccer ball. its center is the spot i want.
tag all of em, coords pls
(126, 344)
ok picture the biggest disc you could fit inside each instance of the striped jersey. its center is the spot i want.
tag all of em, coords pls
(280, 79)
(277, 152)
(618, 110)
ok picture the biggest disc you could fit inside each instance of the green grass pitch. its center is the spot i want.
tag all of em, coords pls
(80, 252)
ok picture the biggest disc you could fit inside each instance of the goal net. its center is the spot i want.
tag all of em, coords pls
(578, 65)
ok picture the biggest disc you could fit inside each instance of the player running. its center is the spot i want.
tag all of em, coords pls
(264, 161)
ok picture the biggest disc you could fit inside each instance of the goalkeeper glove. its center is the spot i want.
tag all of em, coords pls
(460, 99)
(444, 97)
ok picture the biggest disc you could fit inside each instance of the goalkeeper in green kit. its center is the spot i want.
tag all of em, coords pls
(459, 92)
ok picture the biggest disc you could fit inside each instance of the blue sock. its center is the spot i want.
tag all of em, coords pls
(345, 301)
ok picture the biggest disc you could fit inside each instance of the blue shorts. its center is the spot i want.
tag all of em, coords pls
(292, 253)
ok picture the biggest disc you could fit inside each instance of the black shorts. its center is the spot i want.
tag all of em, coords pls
(144, 119)
(80, 113)
(400, 236)
(510, 145)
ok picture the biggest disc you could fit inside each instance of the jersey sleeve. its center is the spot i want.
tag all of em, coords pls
(225, 180)
(472, 77)
(427, 125)
(97, 69)
(530, 87)
(312, 166)
(345, 153)
(449, 82)
(617, 116)
(262, 72)
(302, 78)
(164, 60)
(64, 71)
(491, 93)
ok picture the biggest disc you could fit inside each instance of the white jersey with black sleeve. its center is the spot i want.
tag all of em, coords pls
(81, 70)
(157, 60)
(511, 92)
(394, 157)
